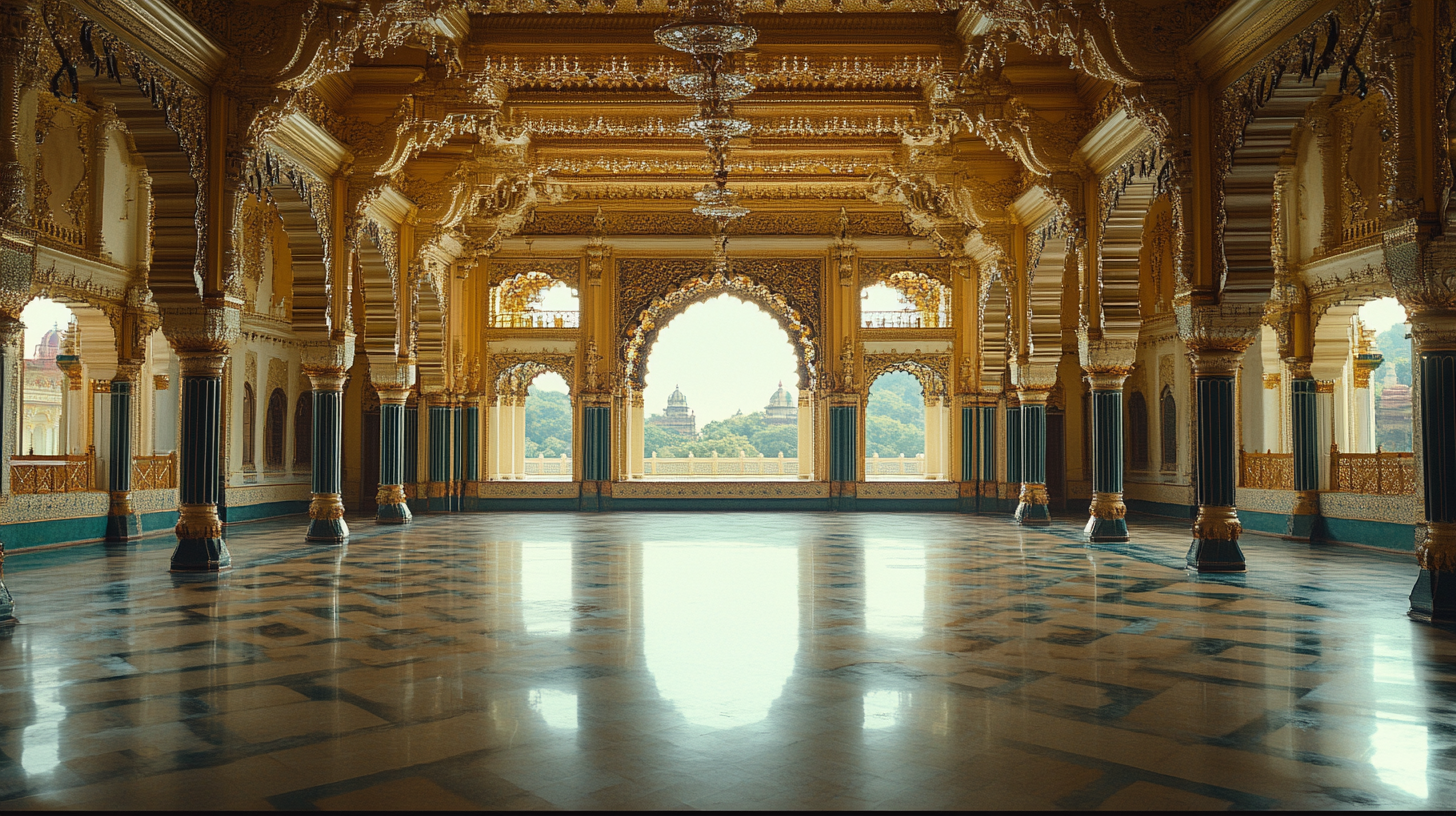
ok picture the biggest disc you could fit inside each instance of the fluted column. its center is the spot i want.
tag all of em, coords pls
(326, 510)
(1107, 514)
(1304, 426)
(1034, 382)
(1013, 447)
(987, 453)
(122, 521)
(1434, 333)
(11, 332)
(1216, 529)
(200, 545)
(439, 462)
(392, 381)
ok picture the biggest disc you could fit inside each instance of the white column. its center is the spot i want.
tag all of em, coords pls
(637, 427)
(493, 450)
(1273, 416)
(1365, 419)
(933, 438)
(806, 436)
(1324, 412)
(519, 445)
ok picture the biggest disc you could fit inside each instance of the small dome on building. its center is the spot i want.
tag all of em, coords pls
(781, 398)
(677, 398)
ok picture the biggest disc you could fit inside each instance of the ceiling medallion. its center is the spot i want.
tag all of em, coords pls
(709, 31)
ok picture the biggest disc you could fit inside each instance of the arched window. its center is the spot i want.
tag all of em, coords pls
(273, 429)
(1137, 430)
(250, 422)
(303, 430)
(1170, 429)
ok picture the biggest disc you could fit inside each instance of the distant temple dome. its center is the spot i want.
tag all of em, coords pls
(678, 417)
(48, 347)
(781, 409)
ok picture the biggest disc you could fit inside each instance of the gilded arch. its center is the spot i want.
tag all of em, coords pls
(787, 290)
(305, 205)
(1126, 195)
(932, 370)
(512, 373)
(377, 248)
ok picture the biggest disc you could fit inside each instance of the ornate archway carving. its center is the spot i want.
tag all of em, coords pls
(932, 370)
(790, 298)
(512, 372)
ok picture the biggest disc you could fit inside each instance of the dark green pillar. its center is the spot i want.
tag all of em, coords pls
(1304, 424)
(1013, 448)
(11, 333)
(1033, 506)
(392, 507)
(326, 510)
(1216, 529)
(411, 444)
(439, 488)
(596, 443)
(1434, 595)
(200, 545)
(988, 456)
(1108, 514)
(843, 443)
(123, 523)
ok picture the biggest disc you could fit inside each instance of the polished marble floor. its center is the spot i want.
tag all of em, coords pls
(706, 660)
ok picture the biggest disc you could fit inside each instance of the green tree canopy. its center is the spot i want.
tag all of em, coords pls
(548, 423)
(895, 416)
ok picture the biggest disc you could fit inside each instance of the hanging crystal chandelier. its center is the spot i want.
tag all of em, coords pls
(709, 31)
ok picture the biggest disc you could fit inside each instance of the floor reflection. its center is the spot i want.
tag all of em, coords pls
(721, 627)
(723, 661)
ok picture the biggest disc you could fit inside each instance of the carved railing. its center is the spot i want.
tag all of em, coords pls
(1381, 472)
(154, 472)
(52, 474)
(894, 465)
(1362, 230)
(738, 467)
(1266, 471)
(542, 466)
(902, 320)
(538, 320)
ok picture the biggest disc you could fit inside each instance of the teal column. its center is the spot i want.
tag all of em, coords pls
(11, 332)
(326, 511)
(596, 443)
(970, 427)
(123, 523)
(1434, 595)
(843, 443)
(1108, 514)
(1013, 444)
(392, 507)
(1216, 530)
(439, 500)
(1033, 506)
(1304, 424)
(411, 444)
(472, 442)
(200, 545)
(988, 455)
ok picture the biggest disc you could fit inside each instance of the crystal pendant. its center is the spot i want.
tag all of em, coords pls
(712, 88)
(716, 126)
(709, 27)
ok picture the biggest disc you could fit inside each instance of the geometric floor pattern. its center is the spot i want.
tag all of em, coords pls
(722, 660)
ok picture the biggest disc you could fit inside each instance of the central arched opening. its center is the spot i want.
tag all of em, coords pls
(905, 429)
(530, 425)
(720, 399)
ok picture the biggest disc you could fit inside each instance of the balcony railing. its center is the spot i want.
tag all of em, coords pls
(740, 467)
(537, 320)
(154, 472)
(52, 474)
(542, 466)
(1266, 471)
(1381, 472)
(902, 320)
(895, 465)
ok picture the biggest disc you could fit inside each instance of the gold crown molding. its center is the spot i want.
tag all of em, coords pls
(685, 223)
(166, 35)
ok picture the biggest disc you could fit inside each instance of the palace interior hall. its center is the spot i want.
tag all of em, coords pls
(664, 404)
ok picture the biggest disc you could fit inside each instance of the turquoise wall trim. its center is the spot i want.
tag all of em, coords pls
(1382, 535)
(1152, 508)
(254, 512)
(67, 531)
(1267, 523)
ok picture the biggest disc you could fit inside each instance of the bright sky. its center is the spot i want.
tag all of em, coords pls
(1382, 314)
(725, 354)
(549, 381)
(40, 316)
